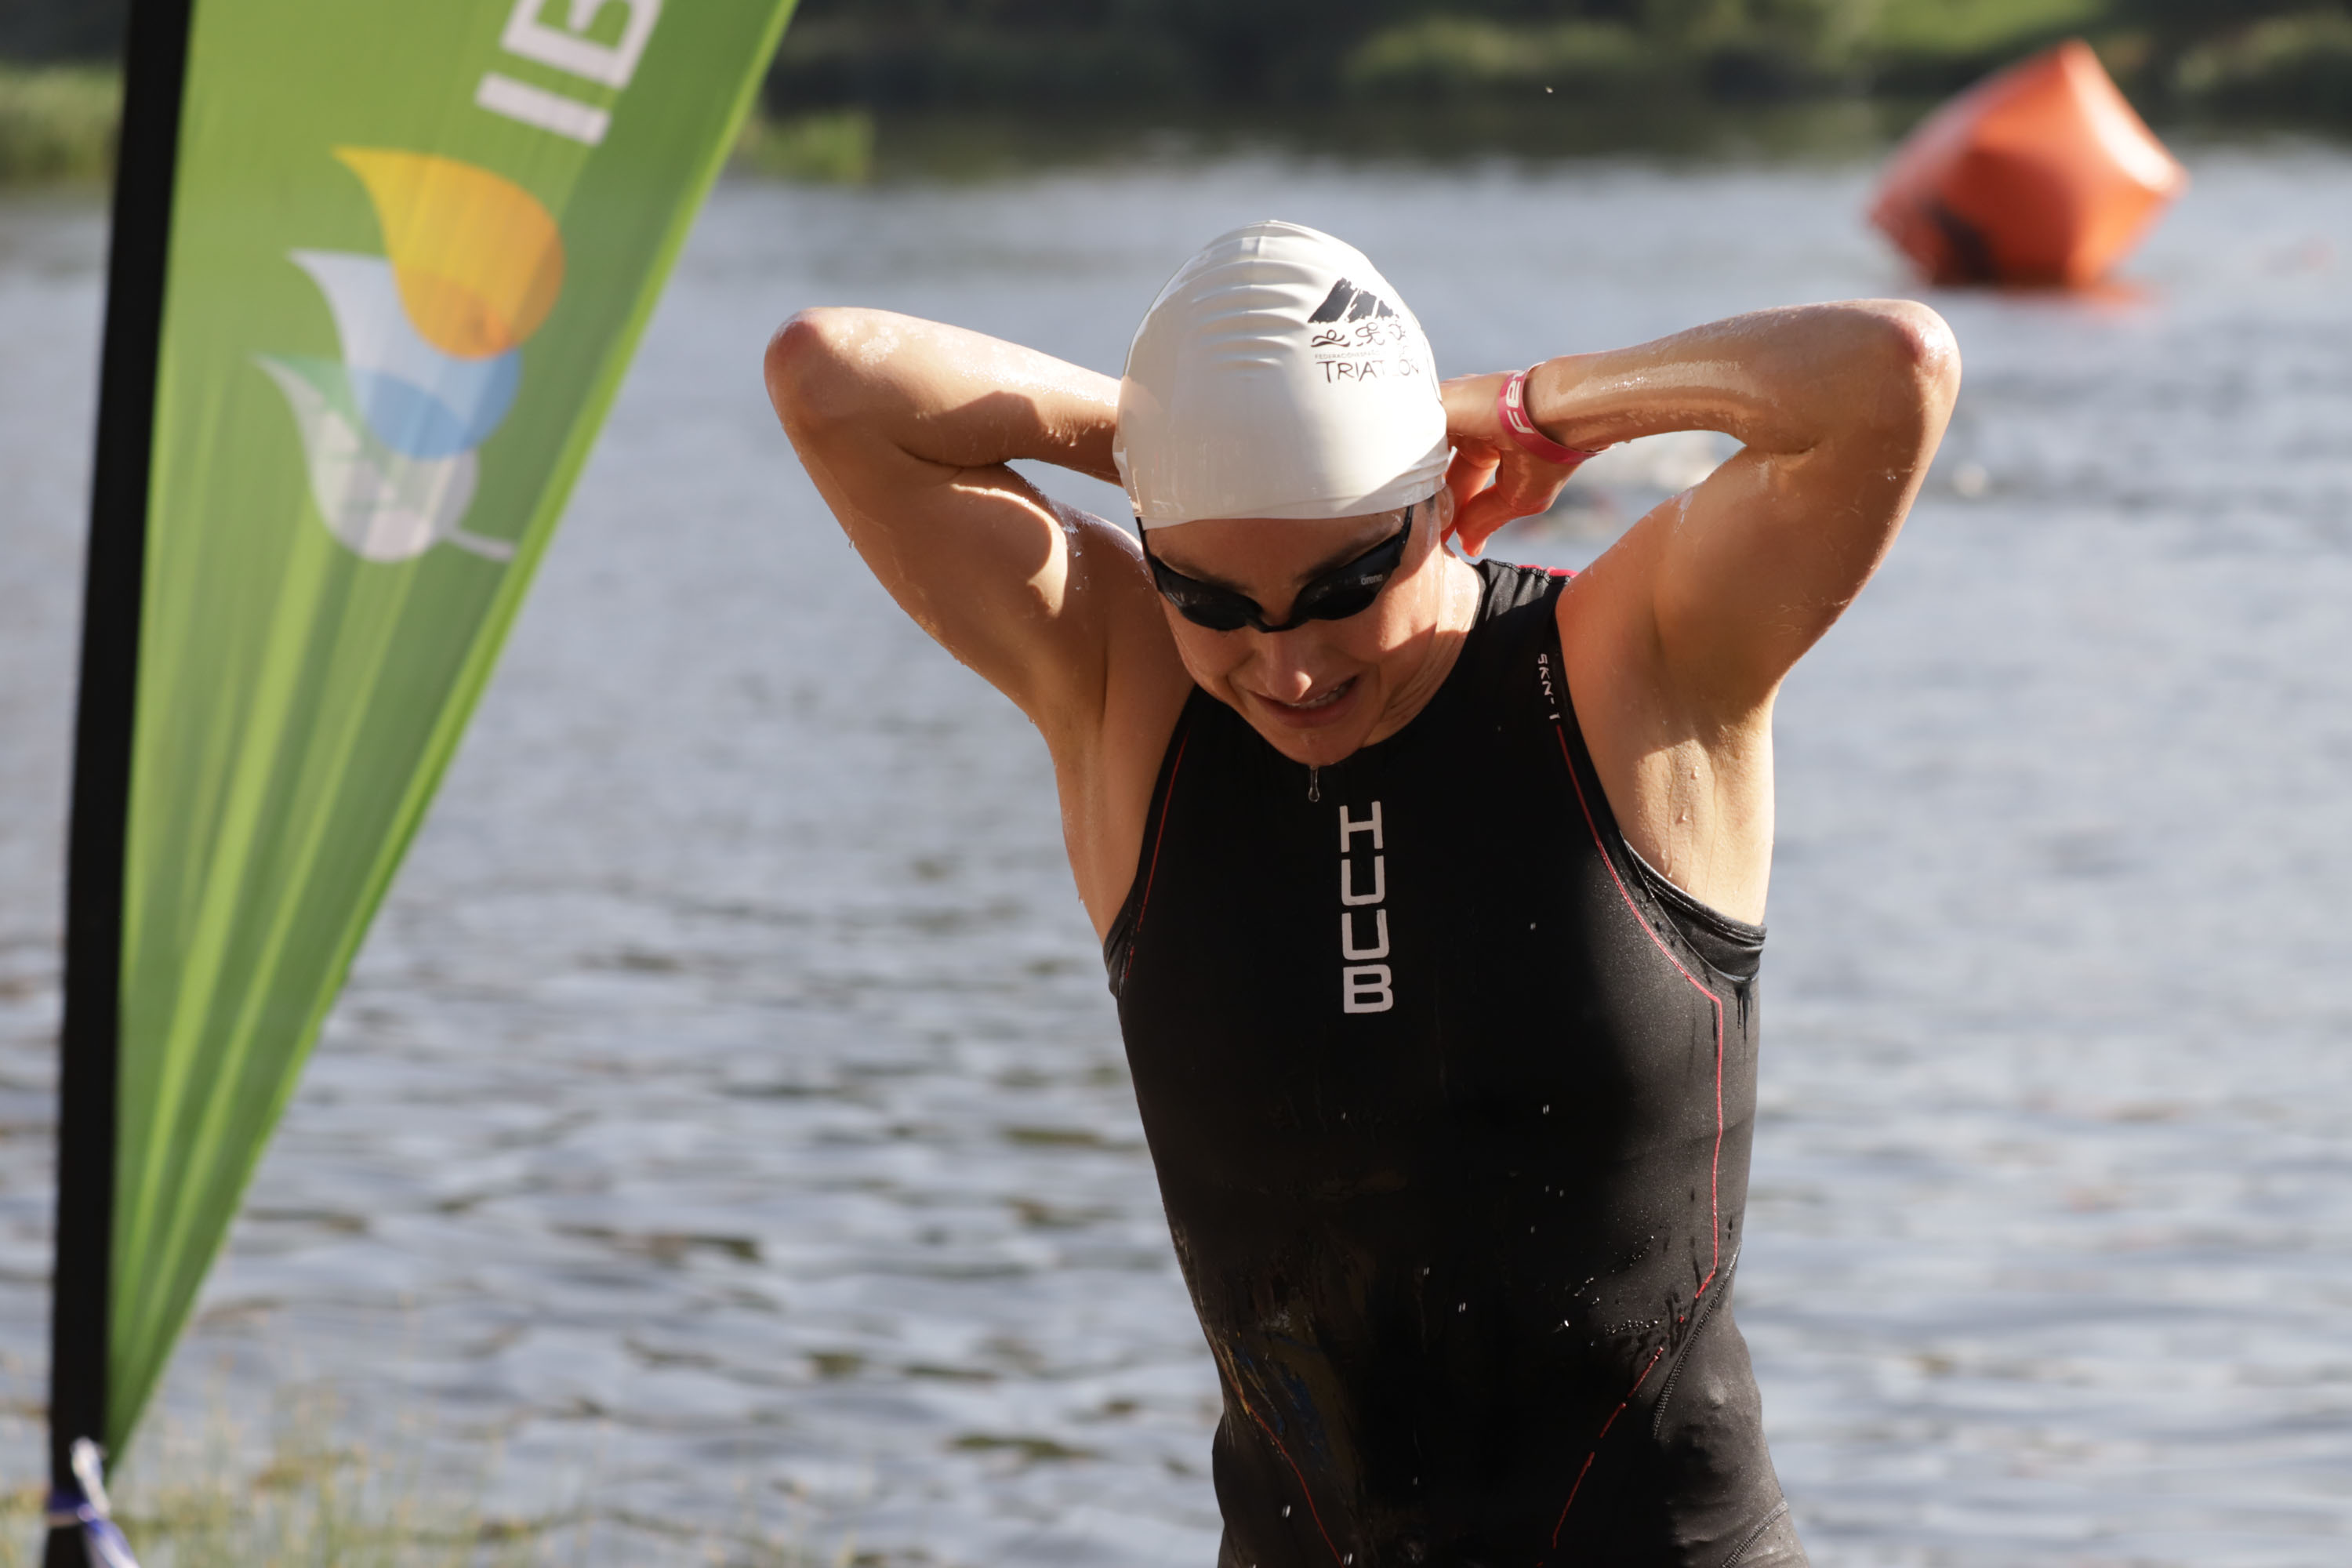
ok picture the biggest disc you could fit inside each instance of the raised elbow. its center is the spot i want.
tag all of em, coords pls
(811, 368)
(1918, 356)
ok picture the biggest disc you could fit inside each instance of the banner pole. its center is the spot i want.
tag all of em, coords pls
(154, 68)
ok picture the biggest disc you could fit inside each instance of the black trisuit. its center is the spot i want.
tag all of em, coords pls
(1451, 1099)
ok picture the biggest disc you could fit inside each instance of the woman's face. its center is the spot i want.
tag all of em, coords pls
(1323, 688)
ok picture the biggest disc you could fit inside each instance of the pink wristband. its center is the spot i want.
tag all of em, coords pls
(1511, 406)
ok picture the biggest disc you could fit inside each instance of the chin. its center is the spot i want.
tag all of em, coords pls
(1318, 752)
(1318, 736)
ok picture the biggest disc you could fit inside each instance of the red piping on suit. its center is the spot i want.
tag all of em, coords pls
(1714, 1172)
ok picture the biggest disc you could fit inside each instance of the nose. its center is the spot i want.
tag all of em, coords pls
(1284, 666)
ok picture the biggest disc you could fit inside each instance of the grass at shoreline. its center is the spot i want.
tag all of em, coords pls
(308, 1493)
(307, 1497)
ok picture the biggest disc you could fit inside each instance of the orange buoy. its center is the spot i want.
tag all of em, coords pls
(2039, 174)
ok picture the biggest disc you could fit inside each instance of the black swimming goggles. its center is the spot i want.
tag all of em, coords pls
(1345, 590)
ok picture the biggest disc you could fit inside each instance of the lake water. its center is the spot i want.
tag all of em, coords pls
(725, 1136)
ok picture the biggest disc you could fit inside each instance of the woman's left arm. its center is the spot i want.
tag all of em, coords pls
(1838, 408)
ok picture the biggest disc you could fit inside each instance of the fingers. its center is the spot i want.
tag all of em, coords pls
(1470, 405)
(1493, 480)
(1468, 476)
(1471, 471)
(1476, 519)
(1475, 523)
(1510, 486)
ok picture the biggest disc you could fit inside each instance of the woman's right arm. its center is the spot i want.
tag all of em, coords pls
(907, 426)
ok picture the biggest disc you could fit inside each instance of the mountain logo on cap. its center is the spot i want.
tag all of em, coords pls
(1354, 323)
(1346, 302)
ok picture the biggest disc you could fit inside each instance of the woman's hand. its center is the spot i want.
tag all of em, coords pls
(1492, 478)
(1837, 410)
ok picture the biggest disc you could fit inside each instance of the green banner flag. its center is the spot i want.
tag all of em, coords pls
(405, 250)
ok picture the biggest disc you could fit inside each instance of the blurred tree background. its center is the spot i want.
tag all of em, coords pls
(2290, 57)
(55, 30)
(1564, 74)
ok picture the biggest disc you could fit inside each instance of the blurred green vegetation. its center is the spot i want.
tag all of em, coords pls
(861, 85)
(57, 121)
(2264, 58)
(2293, 68)
(830, 147)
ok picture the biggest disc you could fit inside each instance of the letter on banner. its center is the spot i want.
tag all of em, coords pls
(611, 64)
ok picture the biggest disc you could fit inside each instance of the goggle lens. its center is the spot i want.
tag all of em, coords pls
(1346, 590)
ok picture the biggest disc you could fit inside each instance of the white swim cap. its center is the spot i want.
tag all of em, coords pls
(1277, 376)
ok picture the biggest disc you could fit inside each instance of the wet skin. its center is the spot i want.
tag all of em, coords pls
(1673, 646)
(1674, 642)
(1322, 691)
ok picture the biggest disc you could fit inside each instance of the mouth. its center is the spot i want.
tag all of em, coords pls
(1315, 711)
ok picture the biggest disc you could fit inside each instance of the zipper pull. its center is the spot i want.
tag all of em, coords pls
(1314, 785)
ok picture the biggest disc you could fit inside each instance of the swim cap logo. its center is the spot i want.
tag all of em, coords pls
(1346, 302)
(432, 338)
(1357, 323)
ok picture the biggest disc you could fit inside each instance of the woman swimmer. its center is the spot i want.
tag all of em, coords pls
(1457, 1190)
